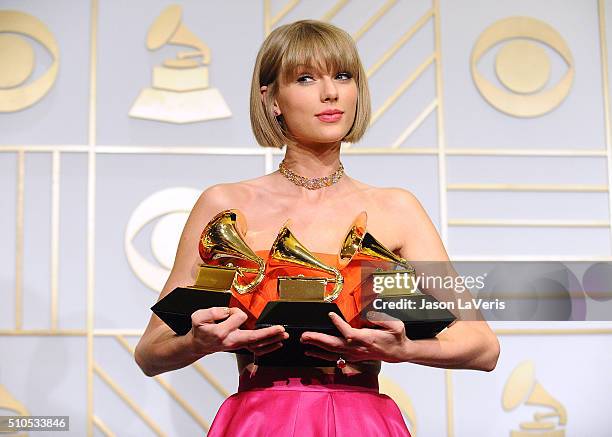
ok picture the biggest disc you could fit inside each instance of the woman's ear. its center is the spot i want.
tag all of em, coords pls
(263, 90)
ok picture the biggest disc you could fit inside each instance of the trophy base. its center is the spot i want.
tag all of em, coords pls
(421, 316)
(176, 308)
(180, 107)
(297, 318)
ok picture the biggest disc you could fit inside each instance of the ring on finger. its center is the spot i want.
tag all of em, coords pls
(341, 363)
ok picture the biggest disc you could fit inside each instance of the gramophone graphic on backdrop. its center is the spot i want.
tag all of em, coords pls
(522, 389)
(293, 287)
(180, 92)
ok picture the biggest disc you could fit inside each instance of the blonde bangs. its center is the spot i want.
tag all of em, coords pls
(322, 49)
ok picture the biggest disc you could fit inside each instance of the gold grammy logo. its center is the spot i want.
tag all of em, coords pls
(17, 60)
(522, 388)
(180, 92)
(13, 406)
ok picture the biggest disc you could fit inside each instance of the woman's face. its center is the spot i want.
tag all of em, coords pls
(308, 95)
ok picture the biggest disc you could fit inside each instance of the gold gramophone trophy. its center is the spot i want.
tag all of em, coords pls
(304, 301)
(221, 244)
(360, 245)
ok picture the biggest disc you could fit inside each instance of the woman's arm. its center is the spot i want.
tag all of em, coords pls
(468, 344)
(160, 349)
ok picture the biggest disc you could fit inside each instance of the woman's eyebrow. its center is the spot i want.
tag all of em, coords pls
(304, 68)
(308, 68)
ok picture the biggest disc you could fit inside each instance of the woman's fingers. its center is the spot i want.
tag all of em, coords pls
(385, 321)
(209, 315)
(275, 339)
(324, 341)
(236, 318)
(324, 355)
(244, 338)
(345, 329)
(266, 349)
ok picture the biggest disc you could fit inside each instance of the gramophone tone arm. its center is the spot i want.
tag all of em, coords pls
(259, 271)
(203, 50)
(406, 265)
(247, 270)
(338, 282)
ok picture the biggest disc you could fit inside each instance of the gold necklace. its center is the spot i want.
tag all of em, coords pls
(311, 183)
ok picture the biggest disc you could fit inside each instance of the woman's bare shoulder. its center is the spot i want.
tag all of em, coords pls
(221, 196)
(224, 192)
(394, 198)
(215, 199)
(399, 197)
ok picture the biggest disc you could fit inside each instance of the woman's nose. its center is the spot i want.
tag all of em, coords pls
(330, 91)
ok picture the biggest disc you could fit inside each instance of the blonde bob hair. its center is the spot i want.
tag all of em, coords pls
(303, 43)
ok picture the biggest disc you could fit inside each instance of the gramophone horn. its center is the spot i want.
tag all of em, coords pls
(287, 250)
(168, 29)
(360, 244)
(522, 388)
(222, 238)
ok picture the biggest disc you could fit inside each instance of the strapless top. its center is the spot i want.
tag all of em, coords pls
(349, 300)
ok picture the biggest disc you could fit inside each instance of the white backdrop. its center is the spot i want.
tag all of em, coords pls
(86, 224)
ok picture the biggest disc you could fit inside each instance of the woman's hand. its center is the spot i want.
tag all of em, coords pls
(388, 344)
(209, 337)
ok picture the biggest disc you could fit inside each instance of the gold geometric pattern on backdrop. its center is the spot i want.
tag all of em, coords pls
(390, 52)
(10, 406)
(149, 421)
(523, 68)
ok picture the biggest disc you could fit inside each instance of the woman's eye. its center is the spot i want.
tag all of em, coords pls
(341, 76)
(303, 78)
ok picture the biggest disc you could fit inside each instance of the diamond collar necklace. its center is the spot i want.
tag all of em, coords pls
(311, 183)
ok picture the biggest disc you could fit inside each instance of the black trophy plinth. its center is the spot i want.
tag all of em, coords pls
(297, 318)
(176, 308)
(419, 323)
(212, 289)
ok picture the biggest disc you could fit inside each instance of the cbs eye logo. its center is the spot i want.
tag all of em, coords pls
(18, 61)
(522, 66)
(170, 209)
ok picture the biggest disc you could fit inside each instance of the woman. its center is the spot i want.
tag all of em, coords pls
(309, 92)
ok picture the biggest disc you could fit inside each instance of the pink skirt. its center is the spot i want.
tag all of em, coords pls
(276, 402)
